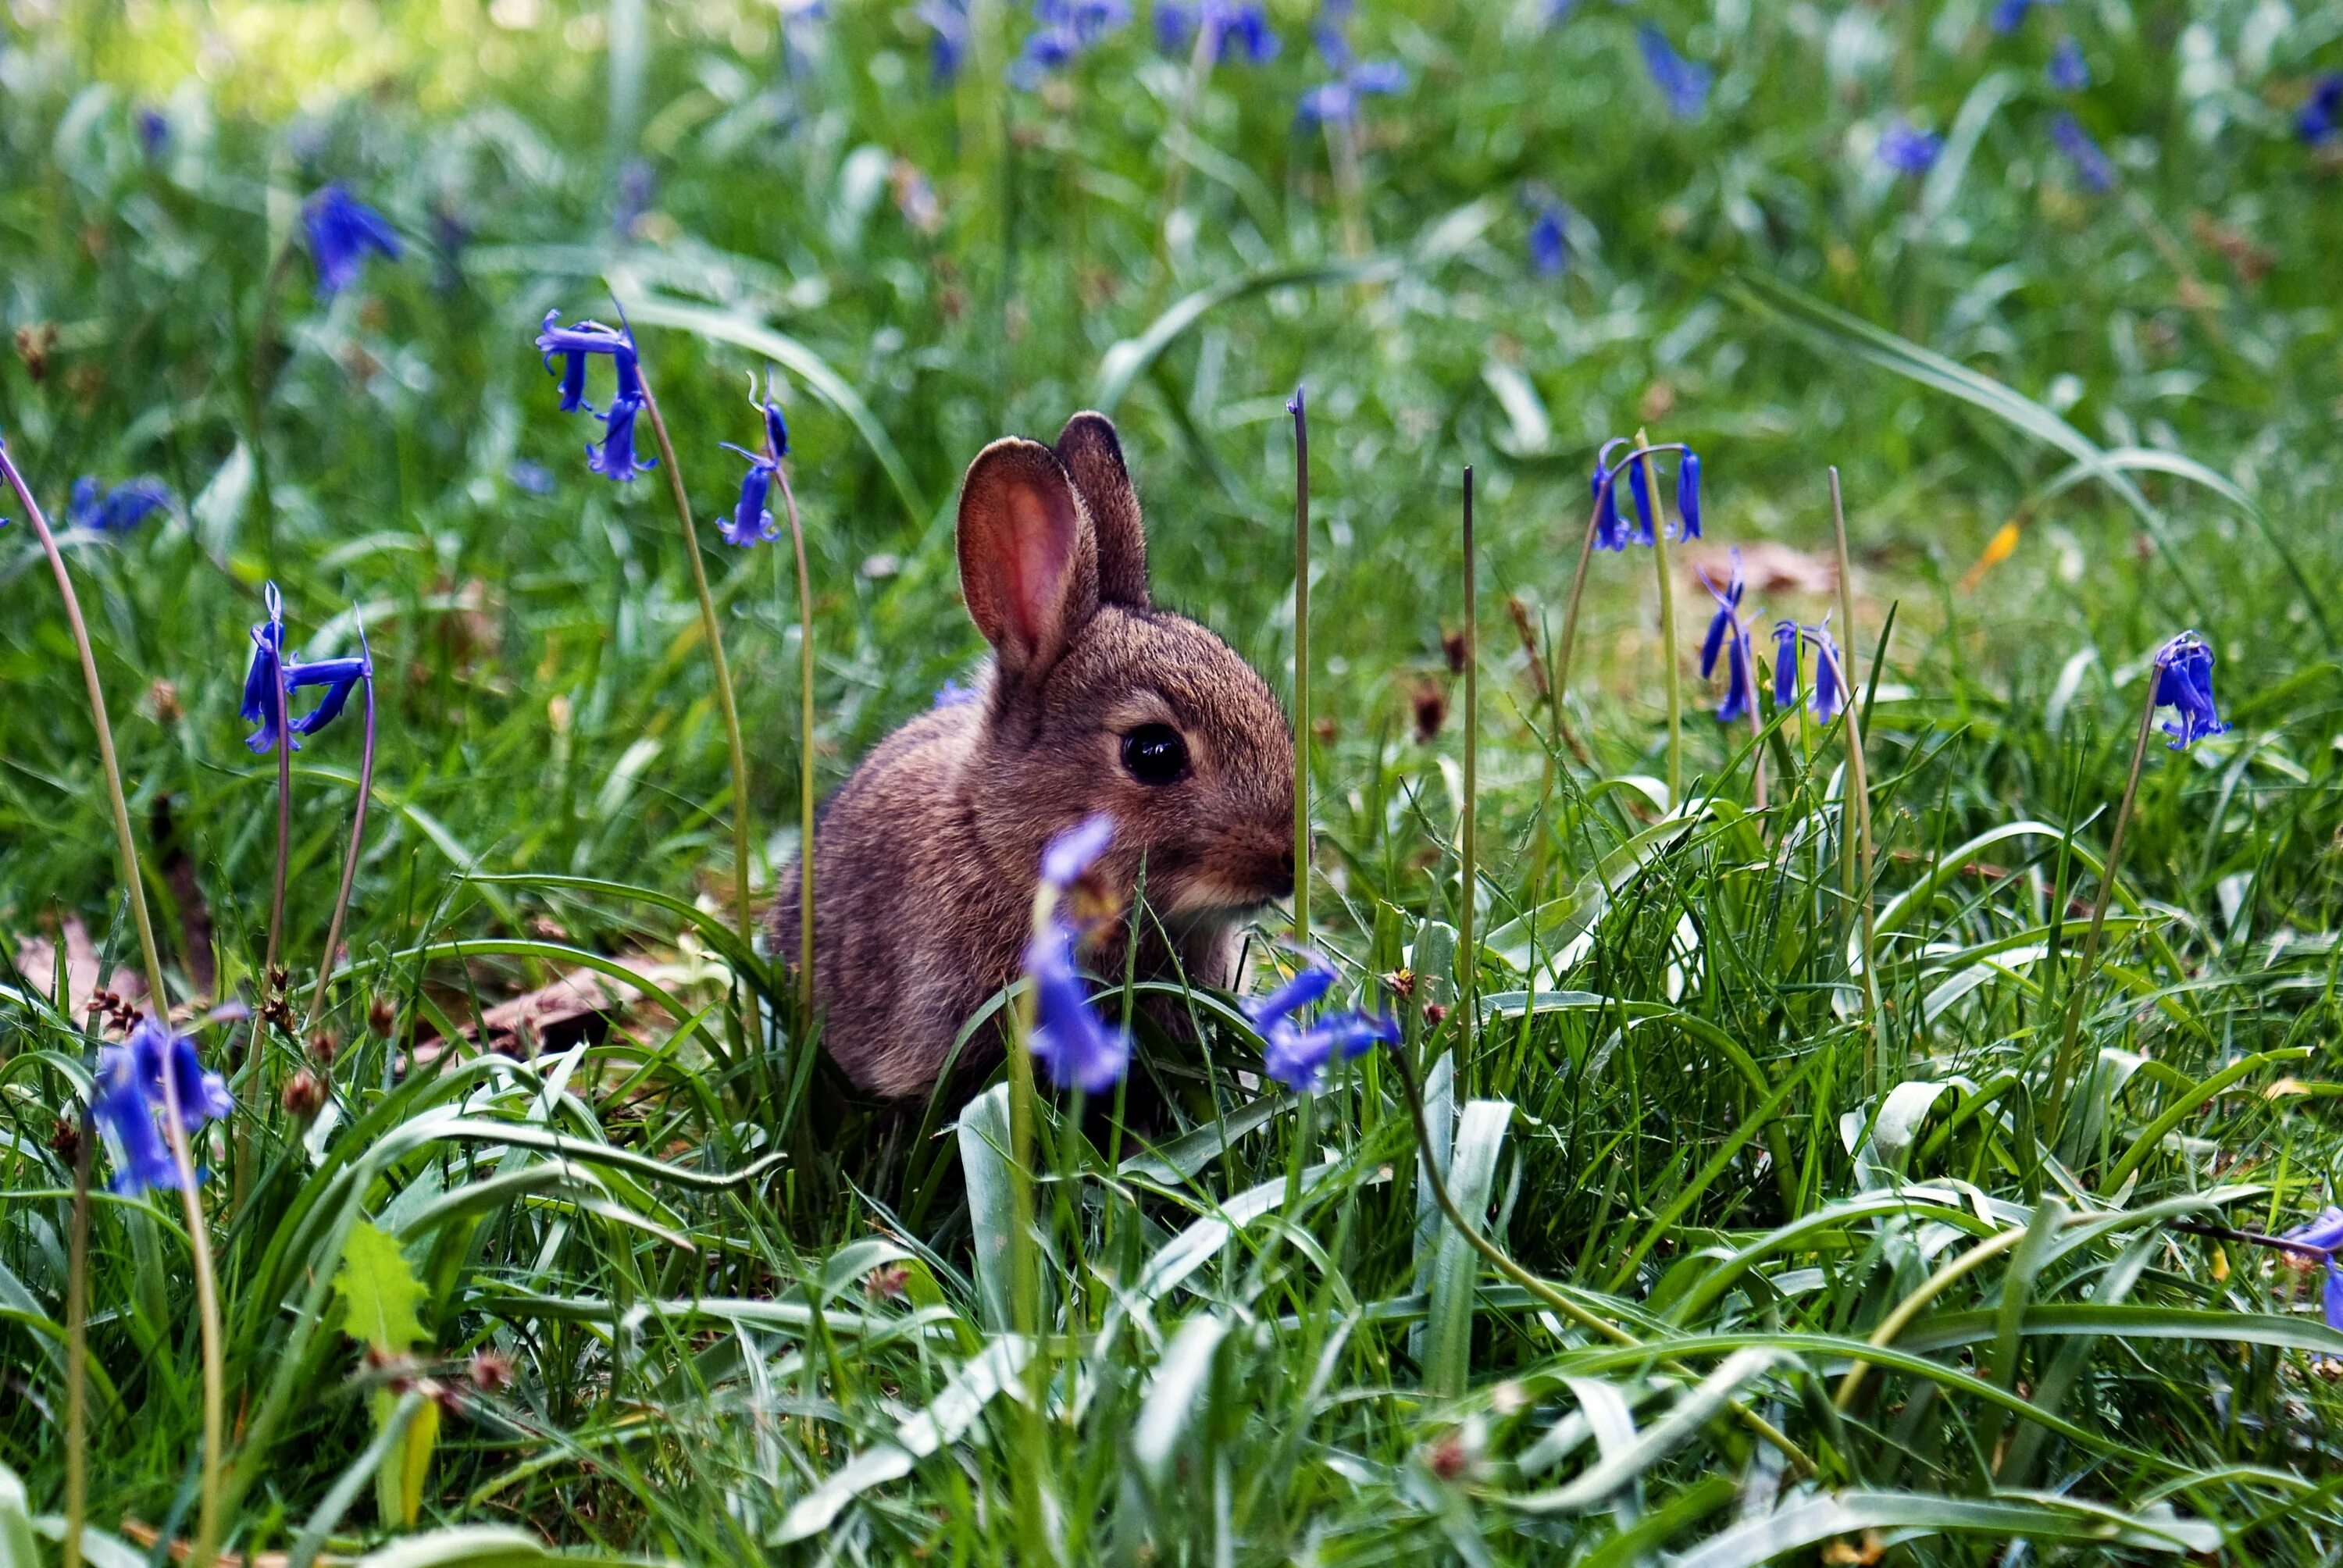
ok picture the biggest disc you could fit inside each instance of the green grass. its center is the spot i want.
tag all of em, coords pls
(749, 1318)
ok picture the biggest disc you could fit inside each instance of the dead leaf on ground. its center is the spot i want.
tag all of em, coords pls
(1767, 565)
(37, 960)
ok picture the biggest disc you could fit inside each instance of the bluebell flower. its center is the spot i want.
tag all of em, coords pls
(1830, 675)
(947, 21)
(1063, 29)
(1069, 1040)
(2316, 123)
(1070, 855)
(1338, 100)
(952, 694)
(1609, 528)
(339, 677)
(1785, 664)
(531, 476)
(2091, 164)
(1297, 1053)
(1688, 495)
(1728, 634)
(2009, 15)
(2326, 1233)
(1907, 149)
(117, 510)
(1683, 83)
(154, 131)
(131, 1095)
(751, 523)
(2184, 682)
(264, 680)
(1647, 500)
(1232, 28)
(341, 231)
(2068, 71)
(638, 185)
(776, 429)
(616, 459)
(1550, 239)
(576, 344)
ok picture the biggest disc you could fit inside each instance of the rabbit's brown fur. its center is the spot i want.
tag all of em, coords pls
(925, 862)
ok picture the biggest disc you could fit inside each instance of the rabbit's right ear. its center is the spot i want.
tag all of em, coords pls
(1092, 455)
(1028, 557)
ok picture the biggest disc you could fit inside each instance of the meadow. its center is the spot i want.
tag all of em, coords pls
(1889, 1125)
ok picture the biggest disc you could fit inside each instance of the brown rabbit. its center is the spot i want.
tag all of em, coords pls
(925, 864)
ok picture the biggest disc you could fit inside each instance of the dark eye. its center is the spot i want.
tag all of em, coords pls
(1154, 754)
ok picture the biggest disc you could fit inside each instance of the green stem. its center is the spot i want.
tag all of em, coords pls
(159, 997)
(1301, 665)
(1673, 665)
(1468, 953)
(77, 1352)
(1858, 861)
(350, 859)
(741, 903)
(1025, 1280)
(805, 758)
(2061, 1065)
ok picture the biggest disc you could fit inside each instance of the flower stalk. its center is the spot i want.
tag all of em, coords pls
(358, 841)
(1648, 499)
(1299, 407)
(805, 753)
(1469, 882)
(207, 1530)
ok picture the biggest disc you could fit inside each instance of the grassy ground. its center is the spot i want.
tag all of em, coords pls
(734, 1316)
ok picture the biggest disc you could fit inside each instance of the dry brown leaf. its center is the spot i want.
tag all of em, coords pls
(37, 960)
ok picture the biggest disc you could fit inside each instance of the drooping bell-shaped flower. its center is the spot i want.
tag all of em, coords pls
(342, 231)
(1688, 495)
(2184, 682)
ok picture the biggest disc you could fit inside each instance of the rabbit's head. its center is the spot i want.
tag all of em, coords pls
(1099, 701)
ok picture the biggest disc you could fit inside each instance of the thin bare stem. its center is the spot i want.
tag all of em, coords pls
(349, 859)
(1858, 862)
(742, 905)
(2061, 1065)
(1469, 887)
(1301, 846)
(159, 997)
(1858, 785)
(1670, 666)
(805, 753)
(78, 1351)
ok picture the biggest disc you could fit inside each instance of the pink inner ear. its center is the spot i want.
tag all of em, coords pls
(1037, 567)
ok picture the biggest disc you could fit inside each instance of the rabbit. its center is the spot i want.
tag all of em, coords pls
(926, 860)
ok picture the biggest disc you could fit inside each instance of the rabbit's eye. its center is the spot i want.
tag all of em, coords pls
(1154, 754)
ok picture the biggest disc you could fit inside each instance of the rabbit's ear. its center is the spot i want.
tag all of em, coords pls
(1028, 557)
(1093, 457)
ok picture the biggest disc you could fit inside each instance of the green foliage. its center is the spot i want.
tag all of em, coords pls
(379, 1292)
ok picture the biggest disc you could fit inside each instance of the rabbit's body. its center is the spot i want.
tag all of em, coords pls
(925, 863)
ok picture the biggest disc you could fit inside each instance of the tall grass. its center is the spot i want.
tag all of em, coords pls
(1796, 1253)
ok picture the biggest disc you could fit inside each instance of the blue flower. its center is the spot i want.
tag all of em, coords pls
(1069, 1040)
(1549, 238)
(947, 21)
(131, 1094)
(1785, 664)
(952, 694)
(1071, 853)
(2091, 164)
(1225, 22)
(1647, 500)
(117, 510)
(751, 523)
(1688, 496)
(341, 231)
(576, 344)
(2068, 72)
(1907, 149)
(776, 429)
(616, 461)
(1064, 30)
(1295, 1052)
(1683, 83)
(1609, 528)
(1830, 675)
(2009, 15)
(2184, 682)
(338, 677)
(264, 680)
(154, 133)
(531, 476)
(2316, 123)
(1338, 100)
(1729, 635)
(2325, 1233)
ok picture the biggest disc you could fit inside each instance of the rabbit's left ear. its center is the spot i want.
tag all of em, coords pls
(1093, 459)
(1028, 560)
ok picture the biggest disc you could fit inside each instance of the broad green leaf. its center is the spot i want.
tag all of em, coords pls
(991, 1205)
(1181, 1386)
(379, 1292)
(1455, 1264)
(1808, 1520)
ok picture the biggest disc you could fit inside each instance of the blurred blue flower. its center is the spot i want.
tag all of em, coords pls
(947, 21)
(2009, 15)
(952, 694)
(1728, 634)
(1683, 83)
(117, 510)
(2316, 123)
(2326, 1233)
(1338, 100)
(1068, 856)
(263, 679)
(1907, 149)
(575, 344)
(638, 186)
(1688, 495)
(533, 477)
(154, 131)
(1549, 238)
(2068, 72)
(1830, 673)
(776, 429)
(131, 1094)
(1069, 1040)
(2091, 164)
(1063, 29)
(341, 231)
(1296, 1053)
(1785, 664)
(1226, 23)
(2184, 682)
(751, 523)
